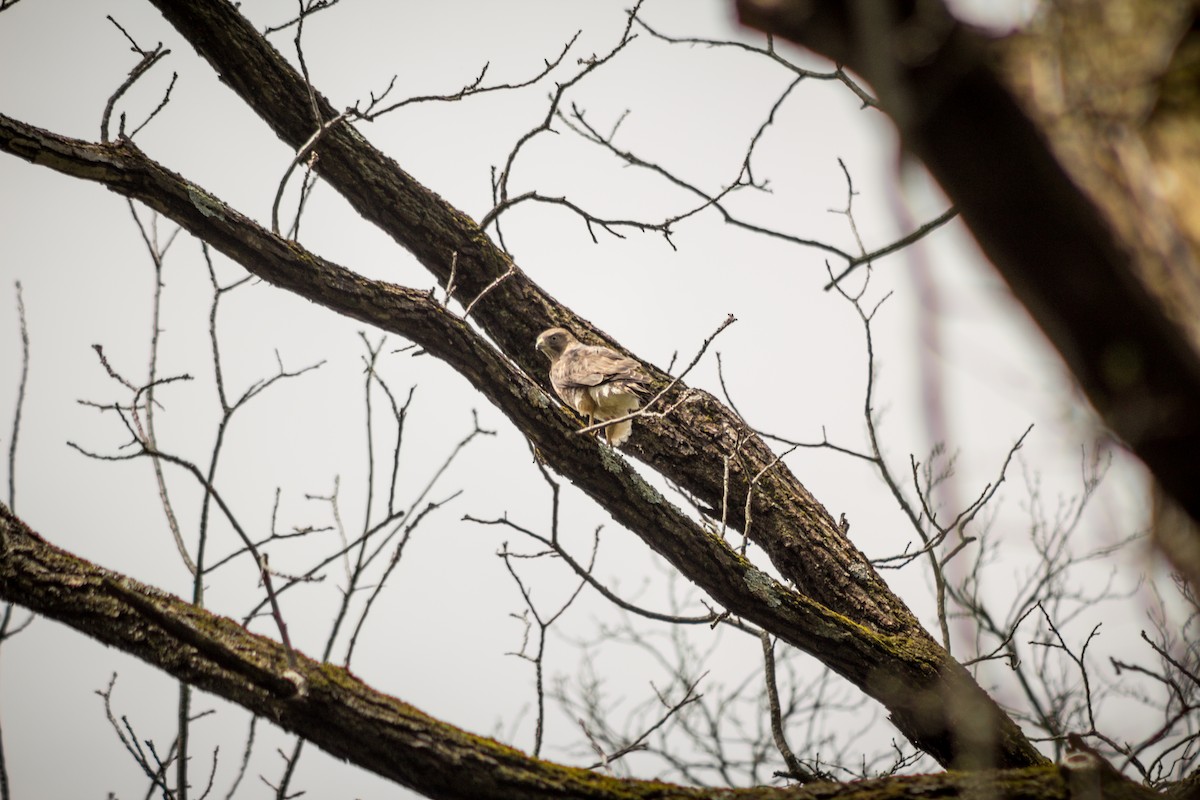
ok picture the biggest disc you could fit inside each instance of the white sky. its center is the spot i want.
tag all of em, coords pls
(439, 636)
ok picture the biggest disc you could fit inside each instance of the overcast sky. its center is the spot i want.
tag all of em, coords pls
(794, 361)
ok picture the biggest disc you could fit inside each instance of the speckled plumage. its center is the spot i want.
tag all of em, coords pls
(598, 382)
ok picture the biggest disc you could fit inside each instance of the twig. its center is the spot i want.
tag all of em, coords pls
(16, 426)
(1004, 644)
(1078, 659)
(585, 129)
(689, 697)
(583, 572)
(789, 758)
(544, 624)
(471, 89)
(313, 8)
(750, 495)
(387, 572)
(146, 434)
(245, 758)
(216, 496)
(452, 281)
(166, 98)
(148, 60)
(888, 249)
(512, 268)
(130, 741)
(769, 51)
(264, 572)
(589, 65)
(301, 154)
(591, 220)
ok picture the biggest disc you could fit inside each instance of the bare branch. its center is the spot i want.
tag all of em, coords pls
(237, 781)
(769, 51)
(795, 770)
(471, 89)
(302, 154)
(579, 124)
(16, 425)
(689, 697)
(899, 244)
(511, 270)
(589, 65)
(305, 11)
(586, 574)
(148, 60)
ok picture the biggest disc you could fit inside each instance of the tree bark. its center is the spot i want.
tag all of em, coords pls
(931, 698)
(689, 447)
(703, 446)
(843, 612)
(334, 710)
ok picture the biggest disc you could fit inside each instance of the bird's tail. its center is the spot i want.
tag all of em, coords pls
(618, 433)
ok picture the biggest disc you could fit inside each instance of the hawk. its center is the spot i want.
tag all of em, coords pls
(598, 382)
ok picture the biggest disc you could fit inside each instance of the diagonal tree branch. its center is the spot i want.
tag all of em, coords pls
(932, 699)
(348, 719)
(690, 448)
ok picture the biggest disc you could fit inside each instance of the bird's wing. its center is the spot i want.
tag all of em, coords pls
(588, 365)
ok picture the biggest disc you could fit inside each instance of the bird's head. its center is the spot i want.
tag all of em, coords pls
(554, 341)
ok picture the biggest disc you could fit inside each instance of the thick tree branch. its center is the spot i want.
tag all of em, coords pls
(690, 447)
(323, 703)
(932, 699)
(343, 716)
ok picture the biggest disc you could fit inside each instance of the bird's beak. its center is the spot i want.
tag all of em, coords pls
(540, 345)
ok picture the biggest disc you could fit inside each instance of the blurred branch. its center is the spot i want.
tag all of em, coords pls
(955, 113)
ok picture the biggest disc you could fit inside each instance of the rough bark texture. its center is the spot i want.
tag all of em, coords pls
(797, 532)
(331, 708)
(1036, 211)
(1060, 254)
(930, 697)
(325, 704)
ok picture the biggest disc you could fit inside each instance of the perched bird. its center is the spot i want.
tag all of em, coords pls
(598, 382)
